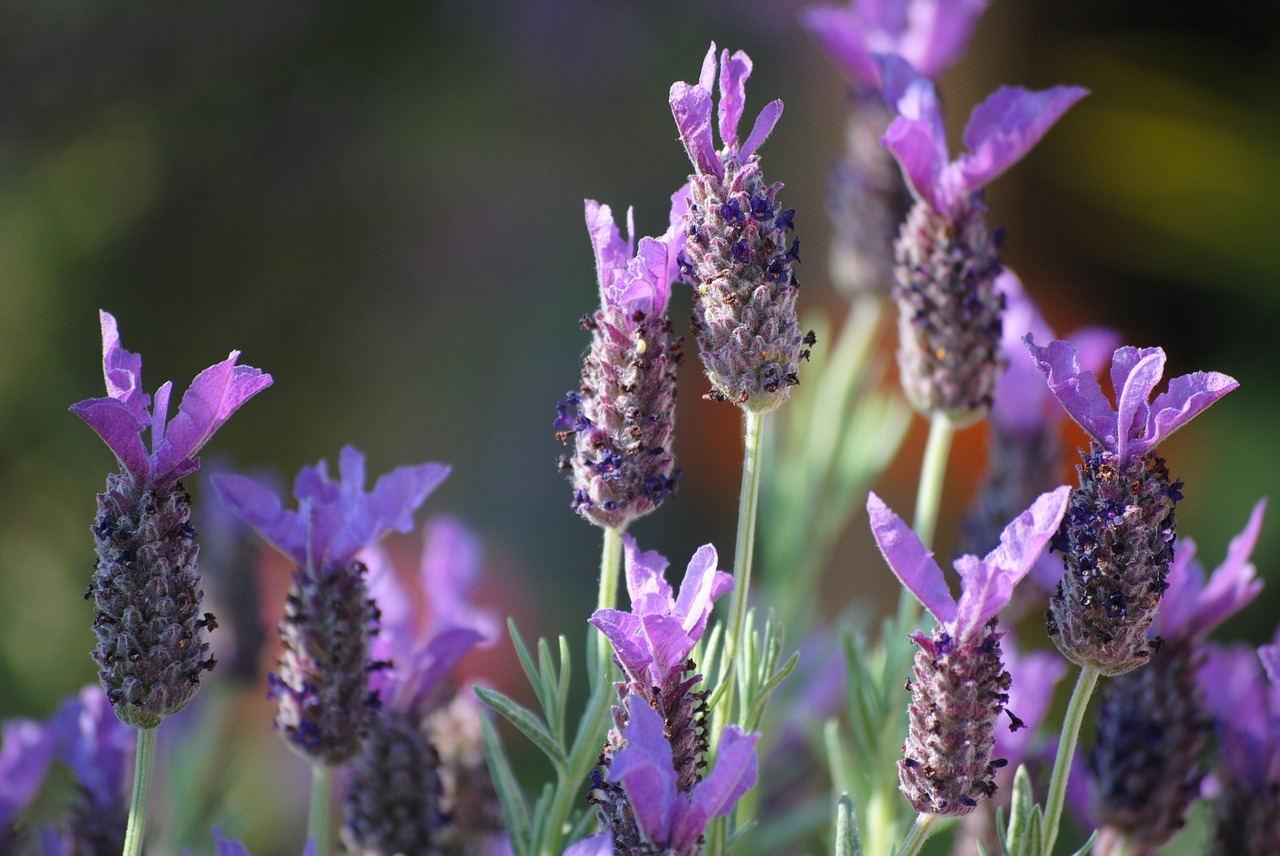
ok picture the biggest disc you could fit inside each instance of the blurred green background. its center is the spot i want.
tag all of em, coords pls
(381, 205)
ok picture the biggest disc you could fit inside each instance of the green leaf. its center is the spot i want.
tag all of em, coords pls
(526, 660)
(527, 722)
(514, 809)
(848, 836)
(756, 713)
(1088, 845)
(1022, 805)
(562, 690)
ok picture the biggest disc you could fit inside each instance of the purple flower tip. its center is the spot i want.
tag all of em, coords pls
(26, 750)
(633, 280)
(126, 411)
(1138, 424)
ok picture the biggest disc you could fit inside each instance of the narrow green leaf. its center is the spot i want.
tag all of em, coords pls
(550, 687)
(541, 817)
(514, 809)
(562, 690)
(1088, 845)
(1021, 804)
(527, 722)
(756, 713)
(526, 659)
(848, 836)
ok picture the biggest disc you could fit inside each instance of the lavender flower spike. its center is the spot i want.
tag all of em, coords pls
(960, 685)
(146, 588)
(623, 427)
(949, 310)
(323, 685)
(1117, 541)
(735, 253)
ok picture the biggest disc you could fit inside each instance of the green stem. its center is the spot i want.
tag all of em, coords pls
(610, 563)
(748, 500)
(1066, 751)
(933, 471)
(143, 762)
(321, 797)
(586, 749)
(918, 834)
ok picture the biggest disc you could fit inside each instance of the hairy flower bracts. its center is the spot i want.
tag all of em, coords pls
(1144, 763)
(868, 198)
(148, 622)
(400, 796)
(949, 309)
(661, 817)
(652, 643)
(736, 254)
(623, 419)
(1117, 539)
(959, 684)
(323, 684)
(1242, 690)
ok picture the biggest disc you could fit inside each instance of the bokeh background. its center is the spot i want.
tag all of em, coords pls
(381, 205)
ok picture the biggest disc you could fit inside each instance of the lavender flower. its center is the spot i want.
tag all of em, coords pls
(624, 419)
(949, 311)
(227, 847)
(736, 253)
(960, 685)
(1144, 763)
(400, 796)
(147, 588)
(323, 685)
(665, 818)
(652, 643)
(1117, 540)
(869, 199)
(1242, 689)
(26, 750)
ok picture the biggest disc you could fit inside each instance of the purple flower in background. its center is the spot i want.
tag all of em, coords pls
(227, 847)
(1144, 763)
(148, 622)
(323, 685)
(624, 411)
(736, 254)
(929, 34)
(26, 750)
(1117, 540)
(666, 818)
(960, 685)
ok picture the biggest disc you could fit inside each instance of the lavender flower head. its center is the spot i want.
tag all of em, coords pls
(1144, 763)
(949, 309)
(1117, 540)
(323, 685)
(651, 643)
(148, 623)
(26, 749)
(624, 411)
(736, 254)
(960, 685)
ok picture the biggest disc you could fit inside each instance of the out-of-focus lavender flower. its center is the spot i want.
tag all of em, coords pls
(400, 797)
(146, 587)
(1117, 540)
(323, 685)
(735, 253)
(26, 749)
(1144, 763)
(949, 310)
(227, 847)
(1244, 698)
(665, 818)
(960, 685)
(624, 411)
(1024, 438)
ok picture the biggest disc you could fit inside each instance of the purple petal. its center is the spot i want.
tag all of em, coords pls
(26, 750)
(600, 844)
(1232, 586)
(837, 31)
(702, 584)
(1004, 128)
(227, 847)
(627, 636)
(646, 771)
(397, 618)
(916, 137)
(449, 571)
(95, 744)
(390, 505)
(261, 509)
(937, 34)
(691, 107)
(121, 430)
(213, 396)
(910, 561)
(122, 370)
(646, 586)
(1023, 404)
(611, 251)
(1270, 657)
(734, 71)
(668, 643)
(1134, 375)
(429, 666)
(760, 131)
(1076, 388)
(1188, 396)
(160, 414)
(734, 774)
(1235, 692)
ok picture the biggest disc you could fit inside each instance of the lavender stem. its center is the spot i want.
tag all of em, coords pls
(1066, 750)
(137, 825)
(321, 797)
(918, 834)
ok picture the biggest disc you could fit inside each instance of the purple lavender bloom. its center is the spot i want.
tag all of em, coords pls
(949, 310)
(736, 254)
(1244, 698)
(666, 818)
(929, 34)
(147, 588)
(600, 844)
(227, 847)
(1117, 541)
(960, 685)
(26, 750)
(323, 685)
(624, 419)
(1144, 763)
